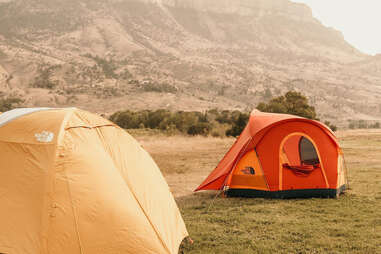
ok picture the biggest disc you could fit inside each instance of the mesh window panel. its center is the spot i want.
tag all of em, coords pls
(308, 154)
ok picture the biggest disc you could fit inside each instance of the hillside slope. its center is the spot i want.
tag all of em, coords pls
(180, 54)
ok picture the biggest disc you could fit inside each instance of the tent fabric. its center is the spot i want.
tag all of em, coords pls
(264, 133)
(91, 188)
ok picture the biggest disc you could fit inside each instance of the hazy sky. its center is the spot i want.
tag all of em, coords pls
(358, 20)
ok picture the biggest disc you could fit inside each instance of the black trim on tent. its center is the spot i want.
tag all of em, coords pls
(301, 193)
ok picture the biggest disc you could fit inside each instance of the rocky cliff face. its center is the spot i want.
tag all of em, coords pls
(244, 7)
(179, 54)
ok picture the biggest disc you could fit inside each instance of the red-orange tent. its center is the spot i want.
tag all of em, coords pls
(280, 155)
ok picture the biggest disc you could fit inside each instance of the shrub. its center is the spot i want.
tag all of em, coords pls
(291, 103)
(363, 124)
(43, 80)
(238, 125)
(192, 123)
(108, 66)
(201, 128)
(9, 103)
(375, 125)
(330, 125)
(159, 88)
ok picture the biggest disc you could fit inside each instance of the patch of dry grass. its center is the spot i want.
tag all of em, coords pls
(185, 161)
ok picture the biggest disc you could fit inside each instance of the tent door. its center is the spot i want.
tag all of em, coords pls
(300, 166)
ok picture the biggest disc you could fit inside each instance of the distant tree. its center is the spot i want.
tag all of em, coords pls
(291, 103)
(238, 125)
(352, 124)
(330, 125)
(375, 125)
(156, 117)
(224, 117)
(43, 80)
(108, 66)
(362, 124)
(200, 128)
(128, 119)
(9, 103)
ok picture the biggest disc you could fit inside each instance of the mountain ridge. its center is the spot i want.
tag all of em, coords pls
(190, 54)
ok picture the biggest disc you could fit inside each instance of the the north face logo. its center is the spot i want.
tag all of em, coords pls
(248, 171)
(44, 137)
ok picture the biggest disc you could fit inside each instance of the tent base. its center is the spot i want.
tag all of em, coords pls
(301, 193)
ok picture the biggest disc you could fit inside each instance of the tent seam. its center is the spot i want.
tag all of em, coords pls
(59, 140)
(90, 127)
(47, 201)
(135, 197)
(74, 213)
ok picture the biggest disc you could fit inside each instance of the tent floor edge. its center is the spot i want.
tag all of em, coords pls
(298, 193)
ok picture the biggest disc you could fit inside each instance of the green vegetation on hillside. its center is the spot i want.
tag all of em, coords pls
(44, 77)
(20, 18)
(158, 87)
(108, 66)
(2, 54)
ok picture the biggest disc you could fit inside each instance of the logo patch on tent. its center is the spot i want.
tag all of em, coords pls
(44, 137)
(248, 171)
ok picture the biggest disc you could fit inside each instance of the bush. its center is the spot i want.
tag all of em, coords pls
(292, 102)
(213, 122)
(108, 67)
(43, 80)
(375, 125)
(238, 125)
(192, 123)
(9, 103)
(363, 124)
(159, 88)
(200, 128)
(331, 126)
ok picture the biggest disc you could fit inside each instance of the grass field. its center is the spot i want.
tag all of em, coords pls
(350, 224)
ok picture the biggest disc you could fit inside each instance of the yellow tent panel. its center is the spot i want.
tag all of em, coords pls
(73, 182)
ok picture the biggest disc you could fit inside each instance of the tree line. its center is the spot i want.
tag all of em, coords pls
(213, 122)
(206, 123)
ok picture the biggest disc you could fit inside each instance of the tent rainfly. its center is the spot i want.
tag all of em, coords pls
(73, 182)
(281, 156)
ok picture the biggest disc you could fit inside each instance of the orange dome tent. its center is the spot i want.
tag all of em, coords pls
(72, 182)
(279, 155)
